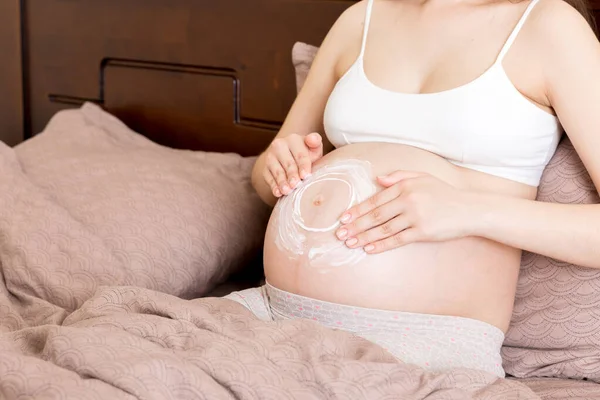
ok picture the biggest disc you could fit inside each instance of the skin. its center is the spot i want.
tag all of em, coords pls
(423, 208)
(556, 69)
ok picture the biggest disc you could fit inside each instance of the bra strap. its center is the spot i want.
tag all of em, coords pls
(366, 27)
(515, 31)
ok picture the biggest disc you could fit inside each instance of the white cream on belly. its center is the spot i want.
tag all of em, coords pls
(314, 242)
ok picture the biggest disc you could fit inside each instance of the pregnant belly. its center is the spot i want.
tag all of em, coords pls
(469, 277)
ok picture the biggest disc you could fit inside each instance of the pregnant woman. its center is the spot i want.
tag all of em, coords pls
(443, 116)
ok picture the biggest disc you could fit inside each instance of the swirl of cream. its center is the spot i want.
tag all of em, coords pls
(356, 175)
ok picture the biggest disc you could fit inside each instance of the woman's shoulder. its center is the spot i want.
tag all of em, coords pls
(352, 20)
(345, 36)
(554, 23)
(356, 10)
(566, 52)
(553, 9)
(554, 33)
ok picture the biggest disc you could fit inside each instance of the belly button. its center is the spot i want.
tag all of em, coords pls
(318, 200)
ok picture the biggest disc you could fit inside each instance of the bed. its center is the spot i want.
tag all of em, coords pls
(221, 60)
(207, 76)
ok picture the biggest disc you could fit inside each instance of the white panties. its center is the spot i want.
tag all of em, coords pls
(433, 342)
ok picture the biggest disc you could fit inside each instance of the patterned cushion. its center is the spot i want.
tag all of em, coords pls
(302, 57)
(178, 221)
(555, 328)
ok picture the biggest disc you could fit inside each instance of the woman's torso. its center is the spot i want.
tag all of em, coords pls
(470, 277)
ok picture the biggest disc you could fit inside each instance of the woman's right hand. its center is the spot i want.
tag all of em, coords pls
(288, 160)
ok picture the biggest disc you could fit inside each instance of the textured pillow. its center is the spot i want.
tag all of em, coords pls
(177, 221)
(555, 328)
(302, 57)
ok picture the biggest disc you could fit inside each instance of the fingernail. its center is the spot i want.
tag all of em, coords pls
(285, 189)
(346, 218)
(342, 233)
(369, 248)
(293, 182)
(351, 242)
(302, 174)
(277, 193)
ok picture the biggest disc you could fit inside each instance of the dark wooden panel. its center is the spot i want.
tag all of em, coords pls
(187, 107)
(11, 101)
(251, 38)
(79, 50)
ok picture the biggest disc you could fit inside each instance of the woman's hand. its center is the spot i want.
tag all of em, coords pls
(414, 207)
(290, 159)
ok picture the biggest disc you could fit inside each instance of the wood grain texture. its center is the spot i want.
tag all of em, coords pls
(197, 74)
(11, 101)
(171, 103)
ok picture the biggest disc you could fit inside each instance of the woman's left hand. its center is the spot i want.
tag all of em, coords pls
(414, 207)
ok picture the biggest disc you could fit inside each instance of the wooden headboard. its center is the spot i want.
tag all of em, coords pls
(197, 74)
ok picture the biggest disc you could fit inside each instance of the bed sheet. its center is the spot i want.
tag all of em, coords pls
(561, 389)
(79, 325)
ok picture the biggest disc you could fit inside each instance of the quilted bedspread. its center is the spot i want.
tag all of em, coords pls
(76, 322)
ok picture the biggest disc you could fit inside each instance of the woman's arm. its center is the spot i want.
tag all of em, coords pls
(427, 209)
(566, 232)
(306, 114)
(571, 54)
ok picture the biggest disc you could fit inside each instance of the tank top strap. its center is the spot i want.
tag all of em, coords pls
(515, 31)
(366, 27)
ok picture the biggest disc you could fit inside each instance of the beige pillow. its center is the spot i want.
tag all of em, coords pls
(302, 57)
(175, 221)
(555, 329)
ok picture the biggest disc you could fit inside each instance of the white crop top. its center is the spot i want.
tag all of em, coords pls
(485, 125)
